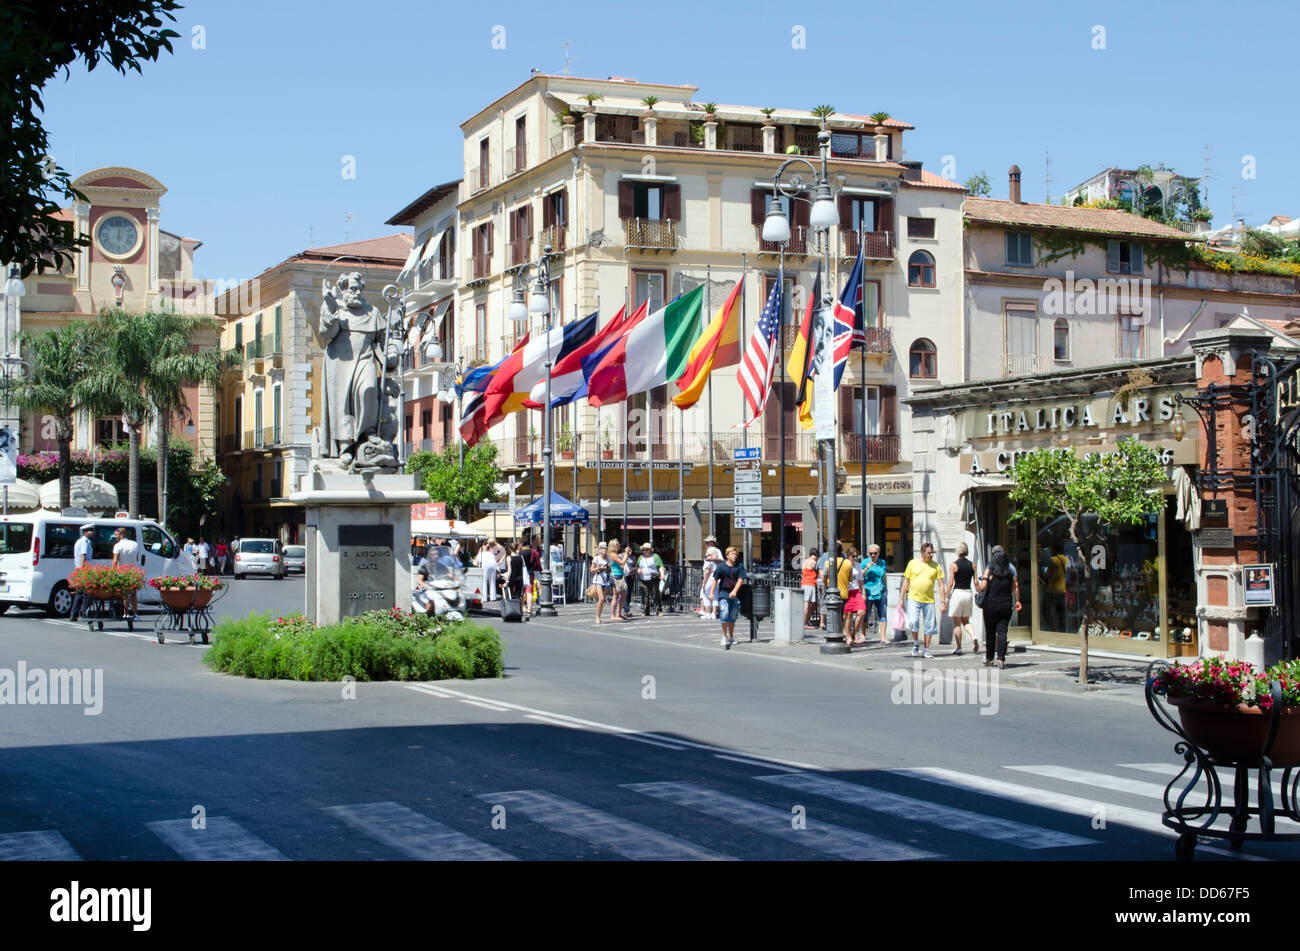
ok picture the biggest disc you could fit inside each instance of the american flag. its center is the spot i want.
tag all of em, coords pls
(757, 365)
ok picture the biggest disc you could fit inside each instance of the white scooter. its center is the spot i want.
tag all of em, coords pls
(442, 589)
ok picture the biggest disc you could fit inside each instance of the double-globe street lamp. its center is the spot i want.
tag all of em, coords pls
(776, 229)
(539, 304)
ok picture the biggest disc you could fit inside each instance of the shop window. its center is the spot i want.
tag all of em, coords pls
(924, 360)
(920, 269)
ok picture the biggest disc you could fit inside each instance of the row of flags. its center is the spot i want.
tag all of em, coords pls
(635, 353)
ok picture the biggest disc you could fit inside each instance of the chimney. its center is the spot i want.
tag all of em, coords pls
(1014, 183)
(911, 171)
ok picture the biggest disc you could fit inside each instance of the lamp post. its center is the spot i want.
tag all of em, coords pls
(539, 303)
(776, 228)
(14, 290)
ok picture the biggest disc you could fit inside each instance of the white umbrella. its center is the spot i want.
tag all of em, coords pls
(87, 492)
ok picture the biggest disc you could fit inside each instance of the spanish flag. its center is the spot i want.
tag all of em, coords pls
(718, 347)
(800, 365)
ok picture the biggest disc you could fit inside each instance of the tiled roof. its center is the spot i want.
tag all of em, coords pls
(422, 204)
(1097, 220)
(931, 180)
(394, 247)
(889, 123)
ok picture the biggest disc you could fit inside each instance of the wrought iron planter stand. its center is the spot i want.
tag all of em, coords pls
(1191, 818)
(104, 609)
(191, 620)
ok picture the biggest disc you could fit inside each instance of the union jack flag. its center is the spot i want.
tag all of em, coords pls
(759, 361)
(850, 325)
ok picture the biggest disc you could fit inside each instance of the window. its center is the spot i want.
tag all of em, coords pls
(278, 325)
(482, 237)
(276, 401)
(1130, 337)
(480, 326)
(924, 363)
(521, 143)
(920, 227)
(1123, 257)
(103, 540)
(484, 154)
(60, 539)
(648, 286)
(872, 311)
(239, 336)
(555, 215)
(426, 422)
(239, 422)
(106, 430)
(920, 269)
(152, 538)
(788, 316)
(556, 293)
(258, 435)
(257, 333)
(1061, 340)
(1020, 249)
(1020, 349)
(858, 214)
(648, 201)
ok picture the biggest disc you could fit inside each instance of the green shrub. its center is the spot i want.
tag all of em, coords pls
(375, 646)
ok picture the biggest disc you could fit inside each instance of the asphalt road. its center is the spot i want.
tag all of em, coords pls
(595, 745)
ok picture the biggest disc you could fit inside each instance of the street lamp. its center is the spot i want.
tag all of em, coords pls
(776, 228)
(538, 304)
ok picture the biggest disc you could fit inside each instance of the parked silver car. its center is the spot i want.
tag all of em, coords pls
(259, 556)
(295, 558)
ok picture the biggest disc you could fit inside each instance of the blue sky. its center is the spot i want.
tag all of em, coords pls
(248, 133)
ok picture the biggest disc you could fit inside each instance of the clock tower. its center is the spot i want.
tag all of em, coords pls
(121, 265)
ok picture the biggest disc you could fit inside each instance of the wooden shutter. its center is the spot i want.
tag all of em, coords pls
(1112, 256)
(673, 202)
(846, 408)
(626, 199)
(885, 215)
(548, 211)
(561, 207)
(801, 213)
(758, 205)
(513, 224)
(488, 249)
(772, 424)
(888, 409)
(1135, 257)
(846, 213)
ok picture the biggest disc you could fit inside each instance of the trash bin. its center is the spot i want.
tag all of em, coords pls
(788, 604)
(761, 603)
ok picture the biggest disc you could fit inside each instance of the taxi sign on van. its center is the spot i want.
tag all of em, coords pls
(76, 511)
(122, 515)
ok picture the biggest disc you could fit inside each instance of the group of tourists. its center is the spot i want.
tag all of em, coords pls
(513, 571)
(613, 567)
(211, 559)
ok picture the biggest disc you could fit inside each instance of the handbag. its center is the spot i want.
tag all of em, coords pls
(982, 595)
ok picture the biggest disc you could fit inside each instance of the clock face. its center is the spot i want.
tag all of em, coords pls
(118, 234)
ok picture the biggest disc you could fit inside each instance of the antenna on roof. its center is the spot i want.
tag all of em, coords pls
(347, 226)
(566, 57)
(1205, 178)
(311, 236)
(1047, 176)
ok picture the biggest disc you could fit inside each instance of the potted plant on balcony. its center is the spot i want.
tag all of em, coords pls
(768, 121)
(710, 112)
(823, 113)
(592, 98)
(607, 450)
(1202, 214)
(1224, 706)
(650, 105)
(566, 117)
(879, 118)
(566, 442)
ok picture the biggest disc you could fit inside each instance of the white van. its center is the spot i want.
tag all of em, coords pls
(36, 557)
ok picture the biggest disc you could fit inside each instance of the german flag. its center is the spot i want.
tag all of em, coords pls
(800, 365)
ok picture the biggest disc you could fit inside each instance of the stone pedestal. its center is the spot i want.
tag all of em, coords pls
(769, 139)
(651, 130)
(711, 136)
(358, 542)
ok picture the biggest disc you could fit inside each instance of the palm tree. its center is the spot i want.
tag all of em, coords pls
(148, 361)
(823, 113)
(59, 360)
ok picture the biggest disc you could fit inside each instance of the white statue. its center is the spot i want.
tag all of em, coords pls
(359, 413)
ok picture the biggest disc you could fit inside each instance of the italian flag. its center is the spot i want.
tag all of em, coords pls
(719, 346)
(653, 351)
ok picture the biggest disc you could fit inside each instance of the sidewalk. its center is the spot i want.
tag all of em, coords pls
(1026, 666)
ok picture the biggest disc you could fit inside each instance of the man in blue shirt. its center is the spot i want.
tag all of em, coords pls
(875, 590)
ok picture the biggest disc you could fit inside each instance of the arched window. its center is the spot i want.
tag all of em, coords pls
(924, 361)
(920, 269)
(1061, 340)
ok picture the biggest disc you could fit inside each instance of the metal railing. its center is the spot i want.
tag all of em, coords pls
(877, 245)
(515, 160)
(882, 449)
(271, 345)
(253, 439)
(480, 178)
(746, 138)
(554, 236)
(798, 243)
(651, 233)
(253, 350)
(879, 340)
(1016, 364)
(621, 129)
(682, 140)
(800, 446)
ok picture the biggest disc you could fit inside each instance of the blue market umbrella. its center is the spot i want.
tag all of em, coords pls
(563, 512)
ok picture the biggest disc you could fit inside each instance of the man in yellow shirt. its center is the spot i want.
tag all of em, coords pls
(917, 592)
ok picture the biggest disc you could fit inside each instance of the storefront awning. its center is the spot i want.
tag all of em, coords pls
(94, 495)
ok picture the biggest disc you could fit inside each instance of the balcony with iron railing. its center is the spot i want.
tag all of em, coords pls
(515, 161)
(1020, 364)
(271, 345)
(879, 449)
(798, 243)
(745, 138)
(435, 444)
(879, 341)
(479, 178)
(877, 245)
(650, 233)
(620, 129)
(553, 236)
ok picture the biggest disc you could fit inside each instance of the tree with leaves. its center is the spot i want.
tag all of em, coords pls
(461, 487)
(42, 37)
(59, 361)
(979, 185)
(1094, 492)
(148, 360)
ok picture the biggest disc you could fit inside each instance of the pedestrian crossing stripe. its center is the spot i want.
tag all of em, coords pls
(813, 834)
(221, 840)
(46, 846)
(629, 839)
(917, 810)
(414, 835)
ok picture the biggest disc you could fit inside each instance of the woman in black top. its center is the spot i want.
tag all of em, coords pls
(515, 572)
(1001, 598)
(960, 601)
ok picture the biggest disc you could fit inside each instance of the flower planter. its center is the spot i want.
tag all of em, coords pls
(183, 599)
(1237, 734)
(607, 454)
(566, 453)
